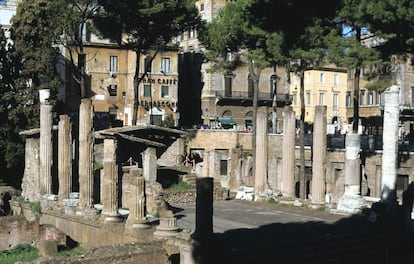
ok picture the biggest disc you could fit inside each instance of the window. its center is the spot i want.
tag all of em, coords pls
(83, 33)
(113, 111)
(164, 91)
(147, 90)
(335, 101)
(113, 63)
(165, 65)
(228, 85)
(348, 99)
(322, 98)
(336, 79)
(362, 97)
(322, 77)
(223, 167)
(308, 77)
(229, 56)
(201, 7)
(308, 98)
(370, 98)
(379, 98)
(295, 98)
(112, 90)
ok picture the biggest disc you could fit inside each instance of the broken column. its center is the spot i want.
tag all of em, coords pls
(204, 209)
(206, 162)
(109, 184)
(319, 155)
(352, 202)
(288, 158)
(261, 152)
(64, 157)
(86, 139)
(46, 147)
(136, 217)
(149, 164)
(390, 145)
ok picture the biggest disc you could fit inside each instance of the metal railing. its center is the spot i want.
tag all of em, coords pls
(249, 95)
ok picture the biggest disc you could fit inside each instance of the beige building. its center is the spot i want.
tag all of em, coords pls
(326, 86)
(110, 70)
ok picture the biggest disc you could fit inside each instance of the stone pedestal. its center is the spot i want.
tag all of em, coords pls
(136, 217)
(64, 157)
(319, 156)
(86, 139)
(46, 148)
(47, 247)
(260, 173)
(352, 202)
(288, 158)
(167, 227)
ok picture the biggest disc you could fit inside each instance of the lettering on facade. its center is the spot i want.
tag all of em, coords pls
(161, 81)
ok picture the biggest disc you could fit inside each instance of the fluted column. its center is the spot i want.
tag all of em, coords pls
(109, 183)
(46, 148)
(390, 145)
(319, 155)
(86, 139)
(261, 152)
(288, 158)
(136, 217)
(64, 157)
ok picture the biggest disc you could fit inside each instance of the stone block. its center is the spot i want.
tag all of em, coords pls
(47, 247)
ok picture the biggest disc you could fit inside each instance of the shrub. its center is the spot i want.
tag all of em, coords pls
(19, 253)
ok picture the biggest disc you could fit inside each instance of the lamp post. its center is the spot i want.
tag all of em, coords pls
(150, 85)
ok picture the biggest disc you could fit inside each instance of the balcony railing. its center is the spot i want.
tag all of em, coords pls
(249, 95)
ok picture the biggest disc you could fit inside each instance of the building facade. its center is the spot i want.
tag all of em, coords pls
(110, 70)
(326, 86)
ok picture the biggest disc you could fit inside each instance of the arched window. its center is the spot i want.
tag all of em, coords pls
(249, 120)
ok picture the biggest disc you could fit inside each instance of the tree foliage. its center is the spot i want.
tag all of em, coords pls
(11, 118)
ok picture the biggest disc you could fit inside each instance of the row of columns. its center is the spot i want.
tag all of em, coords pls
(109, 184)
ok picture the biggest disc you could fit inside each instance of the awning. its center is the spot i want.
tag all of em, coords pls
(227, 121)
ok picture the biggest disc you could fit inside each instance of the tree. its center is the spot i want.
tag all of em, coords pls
(235, 31)
(36, 28)
(148, 25)
(12, 120)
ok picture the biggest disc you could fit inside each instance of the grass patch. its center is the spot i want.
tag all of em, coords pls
(272, 200)
(76, 251)
(23, 252)
(180, 185)
(35, 206)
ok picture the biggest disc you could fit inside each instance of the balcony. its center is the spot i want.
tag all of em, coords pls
(246, 98)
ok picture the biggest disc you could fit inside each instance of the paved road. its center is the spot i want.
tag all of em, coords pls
(237, 214)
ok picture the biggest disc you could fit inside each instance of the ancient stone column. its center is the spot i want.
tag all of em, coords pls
(288, 158)
(261, 152)
(204, 209)
(46, 148)
(64, 157)
(319, 155)
(86, 139)
(109, 184)
(352, 202)
(136, 217)
(149, 164)
(390, 145)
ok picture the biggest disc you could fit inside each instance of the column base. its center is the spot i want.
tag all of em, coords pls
(112, 219)
(350, 204)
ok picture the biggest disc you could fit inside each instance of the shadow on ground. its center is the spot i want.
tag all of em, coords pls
(349, 240)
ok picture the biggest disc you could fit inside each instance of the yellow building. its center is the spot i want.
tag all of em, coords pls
(110, 70)
(326, 86)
